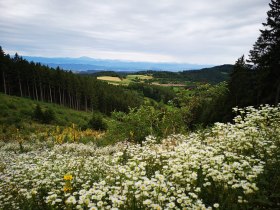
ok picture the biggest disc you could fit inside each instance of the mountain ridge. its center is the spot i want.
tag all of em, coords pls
(86, 63)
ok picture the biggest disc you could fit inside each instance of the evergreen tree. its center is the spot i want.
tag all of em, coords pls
(97, 122)
(48, 116)
(242, 84)
(38, 113)
(265, 56)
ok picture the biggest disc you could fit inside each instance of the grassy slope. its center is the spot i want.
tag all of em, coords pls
(17, 112)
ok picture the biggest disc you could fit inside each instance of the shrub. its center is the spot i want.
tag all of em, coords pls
(47, 116)
(96, 122)
(147, 120)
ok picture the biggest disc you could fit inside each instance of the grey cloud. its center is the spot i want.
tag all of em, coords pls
(206, 32)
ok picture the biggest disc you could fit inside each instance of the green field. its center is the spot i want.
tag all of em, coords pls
(125, 81)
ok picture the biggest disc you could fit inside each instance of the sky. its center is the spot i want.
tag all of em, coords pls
(183, 31)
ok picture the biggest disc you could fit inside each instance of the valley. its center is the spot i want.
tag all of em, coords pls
(137, 127)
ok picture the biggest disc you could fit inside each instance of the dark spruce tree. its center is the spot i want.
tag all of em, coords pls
(265, 56)
(242, 85)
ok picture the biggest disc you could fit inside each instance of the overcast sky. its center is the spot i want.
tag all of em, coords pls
(187, 31)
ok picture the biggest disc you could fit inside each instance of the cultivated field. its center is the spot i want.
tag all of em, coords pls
(129, 78)
(141, 77)
(110, 79)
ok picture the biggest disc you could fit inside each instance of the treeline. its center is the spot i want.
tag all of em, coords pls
(38, 82)
(103, 73)
(212, 75)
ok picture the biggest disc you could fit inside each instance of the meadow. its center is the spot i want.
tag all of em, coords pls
(127, 80)
(228, 166)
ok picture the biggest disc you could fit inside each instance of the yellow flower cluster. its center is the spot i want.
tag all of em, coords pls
(68, 177)
(73, 134)
(67, 188)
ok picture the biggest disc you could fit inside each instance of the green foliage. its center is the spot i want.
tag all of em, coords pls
(49, 116)
(103, 73)
(38, 113)
(212, 75)
(97, 123)
(242, 85)
(46, 116)
(154, 92)
(147, 120)
(18, 113)
(204, 105)
(265, 57)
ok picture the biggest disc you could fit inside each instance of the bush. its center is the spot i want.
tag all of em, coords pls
(97, 122)
(147, 120)
(38, 113)
(47, 116)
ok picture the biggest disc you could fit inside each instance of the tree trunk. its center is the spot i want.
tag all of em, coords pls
(20, 88)
(86, 103)
(36, 92)
(41, 91)
(277, 94)
(4, 80)
(69, 103)
(50, 93)
(63, 97)
(59, 93)
(28, 90)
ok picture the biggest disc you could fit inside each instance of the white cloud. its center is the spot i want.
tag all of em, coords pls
(204, 32)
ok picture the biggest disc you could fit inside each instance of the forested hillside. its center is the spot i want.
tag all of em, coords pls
(212, 75)
(38, 82)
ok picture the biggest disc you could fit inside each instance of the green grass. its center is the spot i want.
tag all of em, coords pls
(17, 112)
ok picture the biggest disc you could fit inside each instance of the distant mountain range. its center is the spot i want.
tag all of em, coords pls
(88, 64)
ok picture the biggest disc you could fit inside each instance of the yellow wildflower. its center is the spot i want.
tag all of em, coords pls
(68, 177)
(67, 188)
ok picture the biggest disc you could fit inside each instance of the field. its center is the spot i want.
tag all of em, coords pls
(222, 168)
(140, 77)
(125, 81)
(108, 78)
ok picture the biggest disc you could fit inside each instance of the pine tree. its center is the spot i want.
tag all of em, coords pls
(265, 56)
(240, 84)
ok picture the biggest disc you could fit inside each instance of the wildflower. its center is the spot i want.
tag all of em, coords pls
(147, 202)
(68, 177)
(171, 205)
(71, 200)
(67, 188)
